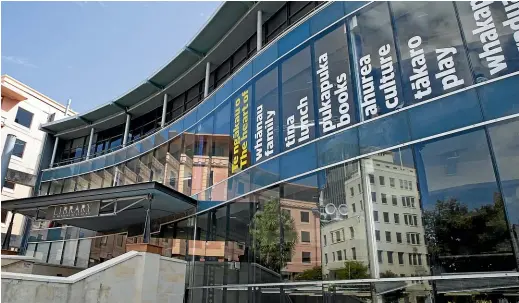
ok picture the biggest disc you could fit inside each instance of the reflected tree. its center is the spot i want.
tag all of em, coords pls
(454, 230)
(352, 270)
(266, 232)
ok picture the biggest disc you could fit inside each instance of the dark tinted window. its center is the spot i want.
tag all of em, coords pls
(23, 117)
(10, 185)
(19, 148)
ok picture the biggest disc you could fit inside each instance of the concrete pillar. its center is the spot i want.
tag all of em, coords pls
(126, 129)
(259, 31)
(54, 152)
(68, 107)
(164, 110)
(10, 141)
(207, 76)
(90, 143)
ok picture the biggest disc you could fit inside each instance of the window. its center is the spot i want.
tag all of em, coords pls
(405, 184)
(406, 220)
(397, 218)
(381, 180)
(305, 216)
(403, 202)
(379, 255)
(324, 240)
(408, 201)
(398, 237)
(412, 202)
(401, 183)
(354, 253)
(384, 198)
(333, 256)
(306, 257)
(408, 236)
(410, 185)
(352, 193)
(353, 207)
(392, 182)
(339, 255)
(388, 236)
(373, 196)
(386, 217)
(375, 216)
(325, 258)
(19, 148)
(377, 235)
(4, 213)
(352, 233)
(9, 185)
(419, 259)
(415, 220)
(360, 189)
(23, 117)
(395, 200)
(338, 236)
(286, 212)
(305, 237)
(410, 259)
(401, 258)
(345, 258)
(371, 179)
(390, 257)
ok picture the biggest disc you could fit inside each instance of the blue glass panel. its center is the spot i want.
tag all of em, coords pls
(175, 128)
(85, 167)
(265, 58)
(190, 119)
(383, 133)
(238, 185)
(243, 76)
(294, 38)
(265, 174)
(161, 137)
(500, 98)
(338, 147)
(327, 16)
(205, 108)
(205, 126)
(299, 161)
(98, 163)
(350, 6)
(134, 150)
(219, 192)
(443, 115)
(110, 159)
(120, 156)
(148, 144)
(46, 175)
(223, 93)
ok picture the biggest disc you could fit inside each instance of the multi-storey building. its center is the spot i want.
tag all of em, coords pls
(388, 131)
(23, 111)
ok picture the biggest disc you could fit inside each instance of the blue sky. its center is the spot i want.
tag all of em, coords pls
(95, 51)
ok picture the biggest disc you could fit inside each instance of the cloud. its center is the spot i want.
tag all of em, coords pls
(19, 61)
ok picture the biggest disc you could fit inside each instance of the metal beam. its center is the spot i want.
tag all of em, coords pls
(126, 129)
(164, 110)
(161, 87)
(7, 237)
(207, 76)
(118, 105)
(200, 55)
(86, 121)
(90, 143)
(259, 31)
(54, 152)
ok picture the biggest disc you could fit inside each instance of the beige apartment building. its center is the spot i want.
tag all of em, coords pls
(23, 110)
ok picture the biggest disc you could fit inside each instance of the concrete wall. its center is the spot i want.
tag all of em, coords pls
(131, 277)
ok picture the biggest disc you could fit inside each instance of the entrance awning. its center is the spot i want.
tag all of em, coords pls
(106, 209)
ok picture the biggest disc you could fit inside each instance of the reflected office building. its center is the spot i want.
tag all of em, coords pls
(329, 152)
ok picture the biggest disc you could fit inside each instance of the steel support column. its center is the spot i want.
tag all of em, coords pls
(207, 76)
(10, 141)
(259, 31)
(126, 129)
(164, 110)
(7, 237)
(90, 143)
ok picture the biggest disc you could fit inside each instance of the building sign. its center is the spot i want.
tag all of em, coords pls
(336, 108)
(72, 211)
(240, 132)
(266, 127)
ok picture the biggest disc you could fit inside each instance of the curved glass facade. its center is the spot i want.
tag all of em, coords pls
(367, 143)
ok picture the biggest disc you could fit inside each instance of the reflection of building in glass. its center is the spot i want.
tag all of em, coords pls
(398, 233)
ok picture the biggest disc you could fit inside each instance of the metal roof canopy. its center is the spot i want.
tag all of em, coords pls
(120, 207)
(225, 31)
